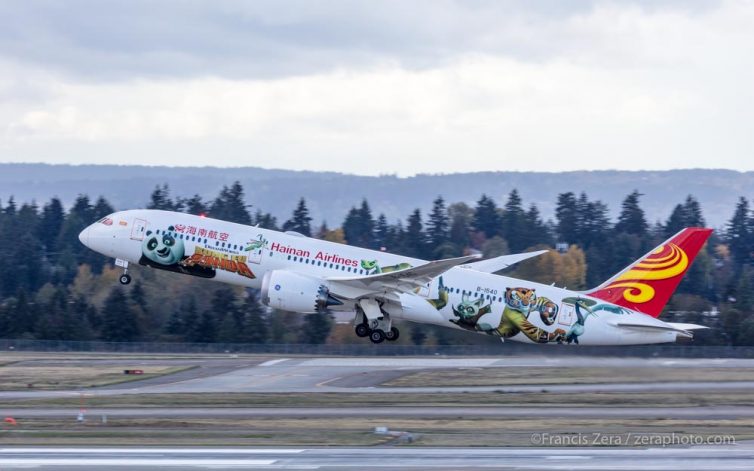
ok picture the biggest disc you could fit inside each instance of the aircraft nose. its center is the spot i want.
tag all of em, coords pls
(84, 236)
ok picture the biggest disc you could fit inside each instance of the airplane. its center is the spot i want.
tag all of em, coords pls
(301, 274)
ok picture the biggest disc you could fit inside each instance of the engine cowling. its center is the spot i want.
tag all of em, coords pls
(290, 291)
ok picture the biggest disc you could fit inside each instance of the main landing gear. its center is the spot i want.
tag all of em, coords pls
(378, 329)
(125, 278)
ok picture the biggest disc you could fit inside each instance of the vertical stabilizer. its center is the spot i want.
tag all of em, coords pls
(647, 284)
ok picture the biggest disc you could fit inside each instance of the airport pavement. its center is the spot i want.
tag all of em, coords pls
(364, 375)
(729, 457)
(708, 413)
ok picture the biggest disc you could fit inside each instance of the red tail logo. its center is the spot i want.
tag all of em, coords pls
(647, 285)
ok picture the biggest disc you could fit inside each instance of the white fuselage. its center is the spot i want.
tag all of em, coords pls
(242, 255)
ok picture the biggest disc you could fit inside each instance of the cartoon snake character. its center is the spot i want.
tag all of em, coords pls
(372, 267)
(519, 303)
(591, 307)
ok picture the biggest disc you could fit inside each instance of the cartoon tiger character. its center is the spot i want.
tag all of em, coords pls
(519, 302)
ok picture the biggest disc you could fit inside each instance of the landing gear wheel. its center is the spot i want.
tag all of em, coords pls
(377, 336)
(392, 334)
(125, 279)
(362, 330)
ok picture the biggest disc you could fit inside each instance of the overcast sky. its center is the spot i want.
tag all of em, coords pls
(378, 87)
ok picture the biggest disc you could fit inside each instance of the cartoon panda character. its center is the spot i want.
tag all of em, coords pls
(165, 250)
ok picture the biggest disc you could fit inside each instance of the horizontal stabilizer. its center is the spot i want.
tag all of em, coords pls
(492, 265)
(654, 327)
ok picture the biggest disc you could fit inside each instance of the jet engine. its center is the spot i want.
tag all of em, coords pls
(290, 291)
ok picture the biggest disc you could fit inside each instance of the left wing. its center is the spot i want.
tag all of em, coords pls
(389, 285)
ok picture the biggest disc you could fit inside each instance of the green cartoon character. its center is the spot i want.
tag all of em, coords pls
(469, 311)
(591, 307)
(442, 296)
(256, 244)
(373, 268)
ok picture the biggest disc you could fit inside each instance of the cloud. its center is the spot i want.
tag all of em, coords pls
(374, 87)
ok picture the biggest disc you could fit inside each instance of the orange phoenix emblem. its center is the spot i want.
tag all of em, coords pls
(667, 261)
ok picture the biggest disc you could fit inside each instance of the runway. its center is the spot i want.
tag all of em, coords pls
(364, 375)
(504, 412)
(734, 457)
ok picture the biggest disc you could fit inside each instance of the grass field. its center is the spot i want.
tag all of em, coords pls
(344, 431)
(571, 375)
(30, 376)
(542, 398)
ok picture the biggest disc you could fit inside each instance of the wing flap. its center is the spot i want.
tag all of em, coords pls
(404, 281)
(492, 265)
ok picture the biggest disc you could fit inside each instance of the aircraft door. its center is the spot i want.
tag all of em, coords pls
(138, 229)
(567, 314)
(255, 256)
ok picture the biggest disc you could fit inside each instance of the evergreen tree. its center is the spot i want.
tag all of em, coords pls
(486, 217)
(382, 233)
(301, 221)
(461, 217)
(50, 224)
(415, 241)
(101, 209)
(418, 336)
(195, 205)
(688, 214)
(175, 325)
(254, 327)
(316, 328)
(189, 318)
(438, 230)
(514, 223)
(534, 230)
(358, 226)
(740, 233)
(265, 220)
(230, 206)
(160, 199)
(631, 219)
(205, 330)
(119, 323)
(568, 218)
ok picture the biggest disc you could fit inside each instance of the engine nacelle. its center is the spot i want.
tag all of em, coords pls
(290, 291)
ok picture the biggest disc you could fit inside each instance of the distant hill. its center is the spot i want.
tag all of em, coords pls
(330, 195)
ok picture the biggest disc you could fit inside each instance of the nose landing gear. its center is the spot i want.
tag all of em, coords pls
(125, 278)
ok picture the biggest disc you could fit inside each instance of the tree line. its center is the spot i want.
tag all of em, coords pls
(52, 287)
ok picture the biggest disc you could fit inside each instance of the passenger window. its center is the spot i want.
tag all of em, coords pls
(289, 257)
